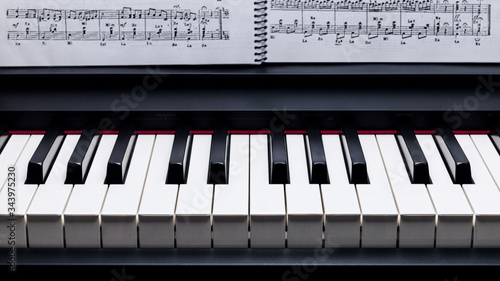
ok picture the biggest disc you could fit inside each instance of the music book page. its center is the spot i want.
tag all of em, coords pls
(383, 31)
(126, 32)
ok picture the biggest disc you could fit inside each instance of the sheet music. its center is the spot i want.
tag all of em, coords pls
(125, 32)
(384, 31)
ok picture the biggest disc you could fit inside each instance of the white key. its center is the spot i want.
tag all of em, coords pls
(267, 201)
(342, 213)
(304, 206)
(230, 210)
(194, 200)
(82, 213)
(483, 196)
(156, 213)
(417, 216)
(45, 214)
(489, 154)
(13, 155)
(454, 215)
(380, 214)
(119, 213)
(10, 154)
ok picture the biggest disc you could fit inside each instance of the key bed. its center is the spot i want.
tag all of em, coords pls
(250, 211)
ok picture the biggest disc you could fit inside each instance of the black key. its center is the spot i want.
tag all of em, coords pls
(79, 162)
(218, 173)
(414, 157)
(457, 163)
(179, 158)
(495, 137)
(4, 136)
(120, 156)
(44, 156)
(278, 158)
(355, 159)
(318, 173)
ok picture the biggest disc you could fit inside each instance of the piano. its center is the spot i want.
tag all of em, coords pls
(296, 171)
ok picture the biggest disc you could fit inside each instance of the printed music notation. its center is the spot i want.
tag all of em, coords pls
(385, 19)
(125, 24)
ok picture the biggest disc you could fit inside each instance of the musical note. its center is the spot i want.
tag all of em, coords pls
(127, 23)
(203, 32)
(422, 35)
(373, 36)
(372, 19)
(126, 12)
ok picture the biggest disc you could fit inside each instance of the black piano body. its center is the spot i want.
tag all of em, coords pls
(370, 96)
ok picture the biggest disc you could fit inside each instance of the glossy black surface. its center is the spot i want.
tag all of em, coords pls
(80, 160)
(179, 157)
(219, 154)
(120, 156)
(318, 172)
(353, 152)
(414, 156)
(454, 157)
(45, 155)
(278, 158)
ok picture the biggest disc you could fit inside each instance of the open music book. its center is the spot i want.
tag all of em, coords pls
(172, 32)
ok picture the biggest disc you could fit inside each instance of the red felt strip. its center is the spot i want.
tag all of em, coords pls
(153, 132)
(423, 132)
(109, 132)
(377, 132)
(248, 132)
(291, 132)
(202, 132)
(467, 132)
(27, 132)
(331, 132)
(73, 132)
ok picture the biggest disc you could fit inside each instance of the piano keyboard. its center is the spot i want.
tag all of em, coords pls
(241, 189)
